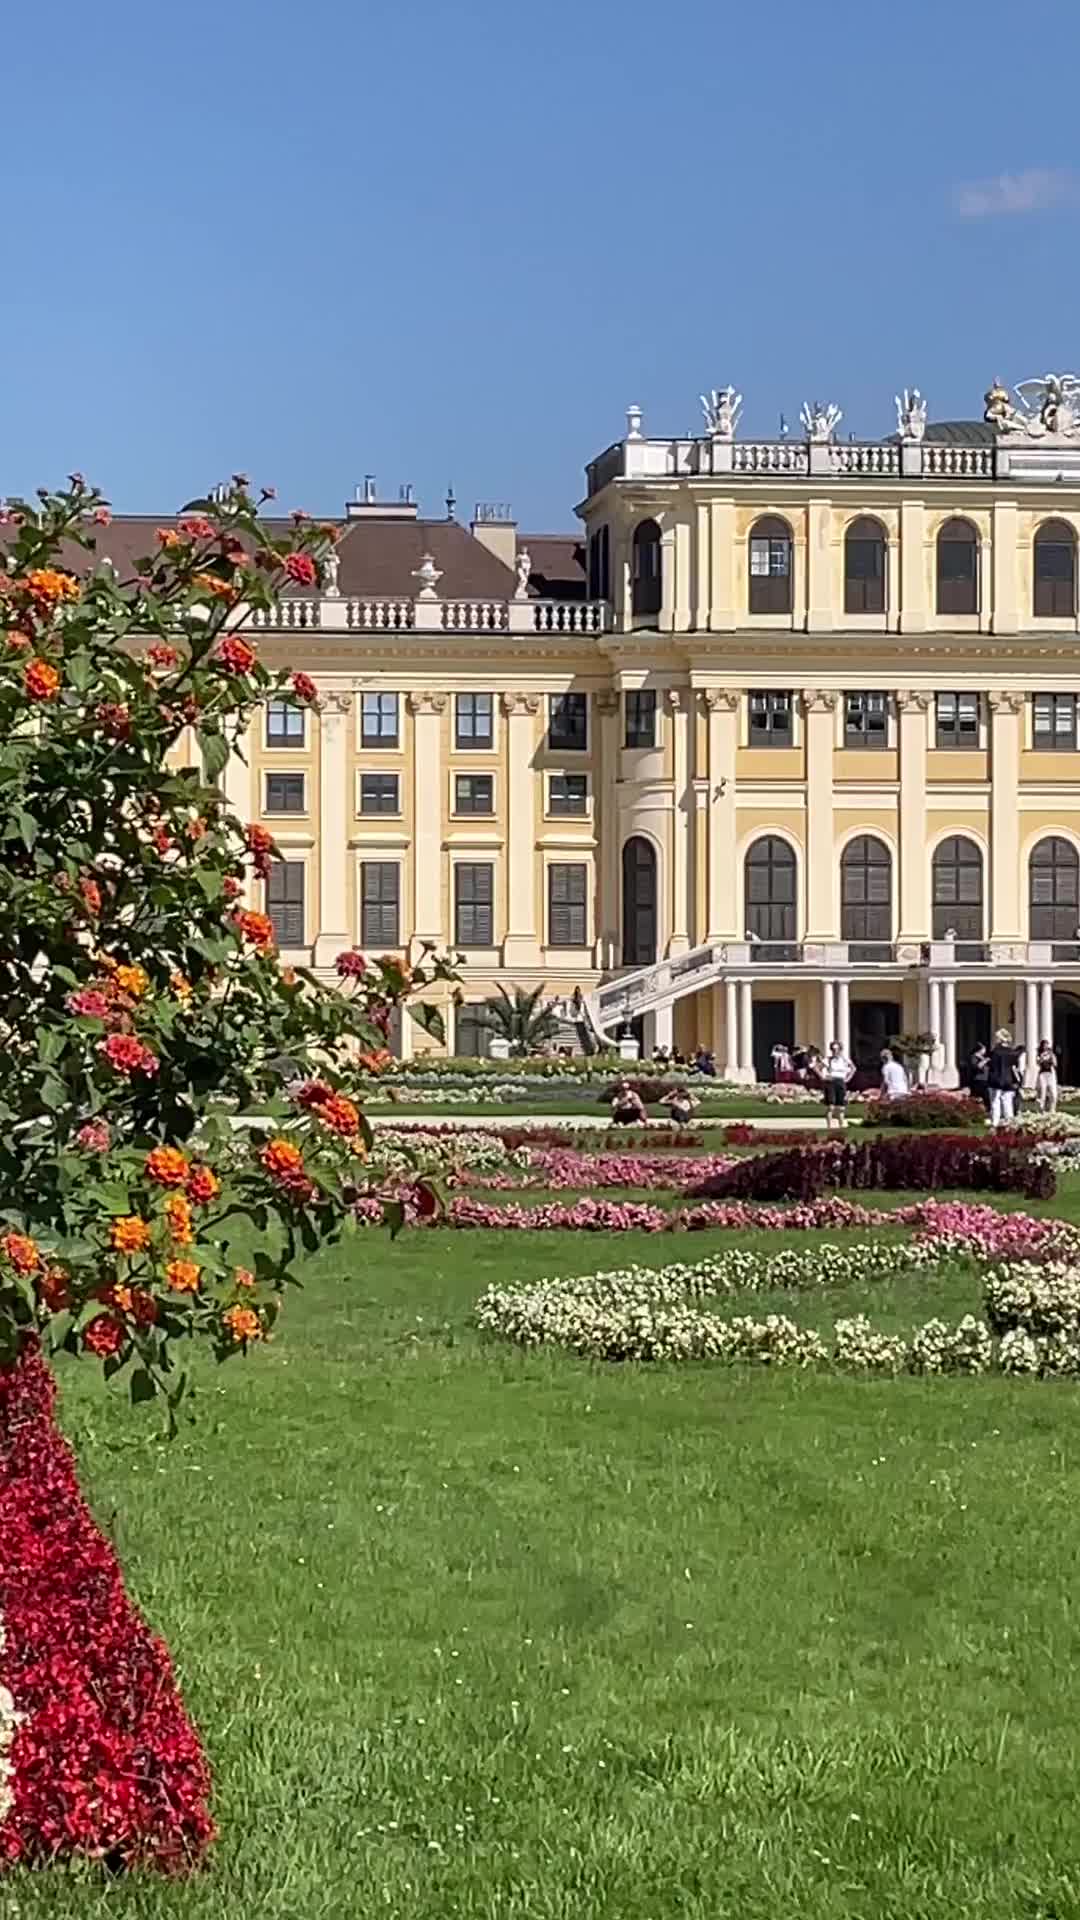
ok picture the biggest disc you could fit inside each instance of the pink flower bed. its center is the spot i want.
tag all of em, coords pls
(563, 1167)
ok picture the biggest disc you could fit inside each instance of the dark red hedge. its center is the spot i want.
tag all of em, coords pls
(106, 1762)
(925, 1163)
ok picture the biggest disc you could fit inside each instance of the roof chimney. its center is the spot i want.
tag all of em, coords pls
(368, 506)
(493, 524)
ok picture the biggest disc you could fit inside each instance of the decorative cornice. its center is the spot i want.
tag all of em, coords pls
(423, 700)
(515, 705)
(1002, 701)
(335, 704)
(720, 699)
(914, 700)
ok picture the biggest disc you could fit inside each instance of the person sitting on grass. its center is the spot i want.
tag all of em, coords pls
(627, 1106)
(836, 1072)
(680, 1104)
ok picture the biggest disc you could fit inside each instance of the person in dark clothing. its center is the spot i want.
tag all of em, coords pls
(978, 1075)
(1005, 1074)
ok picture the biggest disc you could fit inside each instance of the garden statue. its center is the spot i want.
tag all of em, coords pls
(820, 423)
(721, 408)
(911, 415)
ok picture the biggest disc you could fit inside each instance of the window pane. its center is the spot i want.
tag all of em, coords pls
(284, 724)
(568, 793)
(285, 902)
(641, 718)
(379, 793)
(474, 793)
(379, 719)
(379, 888)
(568, 721)
(284, 793)
(475, 719)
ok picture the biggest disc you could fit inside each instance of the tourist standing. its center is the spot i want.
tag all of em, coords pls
(978, 1075)
(1046, 1077)
(837, 1071)
(1005, 1075)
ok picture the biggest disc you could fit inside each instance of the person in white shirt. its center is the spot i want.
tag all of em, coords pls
(836, 1071)
(894, 1080)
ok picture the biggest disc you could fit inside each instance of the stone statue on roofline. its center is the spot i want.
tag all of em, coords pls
(523, 569)
(820, 423)
(721, 408)
(1049, 408)
(911, 414)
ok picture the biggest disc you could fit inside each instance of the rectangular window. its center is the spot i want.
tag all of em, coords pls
(284, 724)
(568, 796)
(474, 896)
(568, 722)
(567, 897)
(474, 793)
(285, 793)
(379, 719)
(640, 718)
(285, 902)
(957, 720)
(474, 721)
(866, 720)
(380, 893)
(379, 793)
(771, 720)
(1054, 722)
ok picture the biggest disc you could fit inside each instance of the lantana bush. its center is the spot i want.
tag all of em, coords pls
(171, 1096)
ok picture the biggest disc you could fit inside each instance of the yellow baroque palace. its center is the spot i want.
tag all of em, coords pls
(783, 745)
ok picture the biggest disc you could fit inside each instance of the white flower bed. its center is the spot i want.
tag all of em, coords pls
(9, 1725)
(409, 1149)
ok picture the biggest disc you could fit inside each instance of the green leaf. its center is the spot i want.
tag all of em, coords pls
(394, 1216)
(143, 1386)
(50, 1045)
(215, 752)
(429, 1020)
(210, 881)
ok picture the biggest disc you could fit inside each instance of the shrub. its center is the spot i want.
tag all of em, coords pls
(925, 1111)
(924, 1164)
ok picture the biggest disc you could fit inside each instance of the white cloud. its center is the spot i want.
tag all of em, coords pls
(1032, 191)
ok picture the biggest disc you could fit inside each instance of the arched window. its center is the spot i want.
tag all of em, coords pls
(770, 566)
(866, 896)
(646, 578)
(957, 890)
(771, 896)
(864, 566)
(1055, 571)
(958, 568)
(639, 902)
(1054, 891)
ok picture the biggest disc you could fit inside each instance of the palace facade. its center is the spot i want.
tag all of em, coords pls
(784, 744)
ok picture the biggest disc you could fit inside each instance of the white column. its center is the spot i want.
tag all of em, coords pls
(427, 710)
(723, 910)
(948, 1011)
(659, 1029)
(820, 617)
(820, 710)
(521, 946)
(746, 1029)
(1046, 1011)
(828, 1014)
(843, 1015)
(608, 934)
(334, 934)
(678, 700)
(934, 1020)
(731, 1030)
(1032, 1036)
(914, 922)
(1006, 710)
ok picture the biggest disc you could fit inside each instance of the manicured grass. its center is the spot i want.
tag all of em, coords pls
(552, 1100)
(509, 1636)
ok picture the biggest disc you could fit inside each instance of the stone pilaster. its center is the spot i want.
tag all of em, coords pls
(334, 934)
(427, 710)
(914, 921)
(820, 715)
(521, 946)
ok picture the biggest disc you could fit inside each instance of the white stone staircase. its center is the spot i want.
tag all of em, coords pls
(660, 984)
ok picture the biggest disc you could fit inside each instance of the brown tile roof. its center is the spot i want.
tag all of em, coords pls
(558, 565)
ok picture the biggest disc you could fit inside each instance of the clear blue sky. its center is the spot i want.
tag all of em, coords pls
(452, 242)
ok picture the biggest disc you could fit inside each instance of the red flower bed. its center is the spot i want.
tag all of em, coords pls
(105, 1762)
(926, 1163)
(924, 1111)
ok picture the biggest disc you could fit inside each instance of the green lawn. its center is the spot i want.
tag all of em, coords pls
(475, 1632)
(550, 1099)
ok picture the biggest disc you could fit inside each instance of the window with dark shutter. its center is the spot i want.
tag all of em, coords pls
(380, 892)
(1055, 571)
(956, 720)
(284, 724)
(864, 566)
(957, 890)
(568, 795)
(646, 576)
(866, 897)
(474, 894)
(1053, 722)
(474, 793)
(284, 793)
(771, 719)
(958, 568)
(1054, 892)
(379, 793)
(568, 722)
(770, 898)
(285, 902)
(770, 588)
(640, 717)
(866, 720)
(567, 898)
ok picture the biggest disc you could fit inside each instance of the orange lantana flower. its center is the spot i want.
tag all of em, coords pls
(49, 585)
(42, 682)
(132, 980)
(282, 1158)
(21, 1251)
(167, 1166)
(129, 1234)
(178, 1215)
(202, 1186)
(182, 1276)
(243, 1324)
